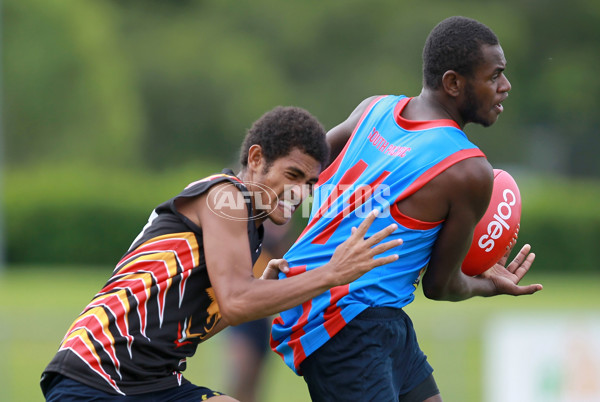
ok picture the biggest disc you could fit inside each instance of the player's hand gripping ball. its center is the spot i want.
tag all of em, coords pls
(497, 230)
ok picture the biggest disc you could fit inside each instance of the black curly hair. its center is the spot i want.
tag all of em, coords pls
(281, 130)
(454, 44)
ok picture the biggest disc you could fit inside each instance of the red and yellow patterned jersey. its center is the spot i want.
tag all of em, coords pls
(158, 305)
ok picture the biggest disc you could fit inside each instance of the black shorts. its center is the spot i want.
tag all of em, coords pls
(375, 357)
(63, 389)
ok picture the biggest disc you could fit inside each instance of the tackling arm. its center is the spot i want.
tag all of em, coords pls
(241, 297)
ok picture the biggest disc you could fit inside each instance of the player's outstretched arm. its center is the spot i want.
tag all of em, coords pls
(355, 253)
(242, 298)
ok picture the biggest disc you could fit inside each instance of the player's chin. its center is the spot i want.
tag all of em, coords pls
(279, 221)
(491, 119)
(279, 218)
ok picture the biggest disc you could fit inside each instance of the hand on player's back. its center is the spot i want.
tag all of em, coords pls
(506, 278)
(356, 255)
(353, 258)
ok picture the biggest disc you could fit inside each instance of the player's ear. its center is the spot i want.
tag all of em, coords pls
(453, 83)
(255, 158)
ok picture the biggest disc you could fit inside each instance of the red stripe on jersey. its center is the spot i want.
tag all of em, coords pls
(297, 270)
(334, 321)
(349, 178)
(81, 346)
(116, 304)
(171, 242)
(417, 125)
(357, 199)
(94, 326)
(162, 257)
(277, 321)
(297, 332)
(138, 289)
(296, 346)
(161, 271)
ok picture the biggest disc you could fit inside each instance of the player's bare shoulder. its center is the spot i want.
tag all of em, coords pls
(472, 174)
(469, 184)
(466, 184)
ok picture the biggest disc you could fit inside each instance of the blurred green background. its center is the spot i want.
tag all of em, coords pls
(110, 107)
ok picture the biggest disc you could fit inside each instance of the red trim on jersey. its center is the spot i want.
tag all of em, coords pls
(411, 223)
(364, 192)
(425, 178)
(327, 173)
(439, 168)
(416, 125)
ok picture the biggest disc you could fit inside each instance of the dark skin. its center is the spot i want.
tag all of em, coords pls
(460, 195)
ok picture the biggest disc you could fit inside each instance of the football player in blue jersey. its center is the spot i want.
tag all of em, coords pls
(410, 158)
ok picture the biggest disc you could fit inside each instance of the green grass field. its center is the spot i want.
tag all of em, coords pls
(37, 305)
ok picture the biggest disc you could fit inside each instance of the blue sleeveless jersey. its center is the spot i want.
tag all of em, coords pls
(387, 159)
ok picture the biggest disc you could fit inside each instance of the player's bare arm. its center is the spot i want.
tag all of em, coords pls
(338, 136)
(469, 192)
(240, 296)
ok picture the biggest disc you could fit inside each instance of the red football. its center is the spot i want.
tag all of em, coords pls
(497, 230)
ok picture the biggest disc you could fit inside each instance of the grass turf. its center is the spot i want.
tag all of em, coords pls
(37, 304)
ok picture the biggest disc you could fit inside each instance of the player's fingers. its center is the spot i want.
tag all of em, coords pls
(382, 234)
(388, 245)
(274, 267)
(528, 290)
(520, 258)
(366, 223)
(377, 262)
(524, 267)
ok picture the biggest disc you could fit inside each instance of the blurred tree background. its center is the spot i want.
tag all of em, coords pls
(112, 106)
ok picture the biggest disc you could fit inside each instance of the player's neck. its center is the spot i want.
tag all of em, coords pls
(431, 105)
(247, 177)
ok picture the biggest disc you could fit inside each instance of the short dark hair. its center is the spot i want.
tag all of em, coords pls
(454, 44)
(281, 130)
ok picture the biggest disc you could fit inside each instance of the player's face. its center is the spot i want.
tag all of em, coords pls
(487, 89)
(288, 181)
